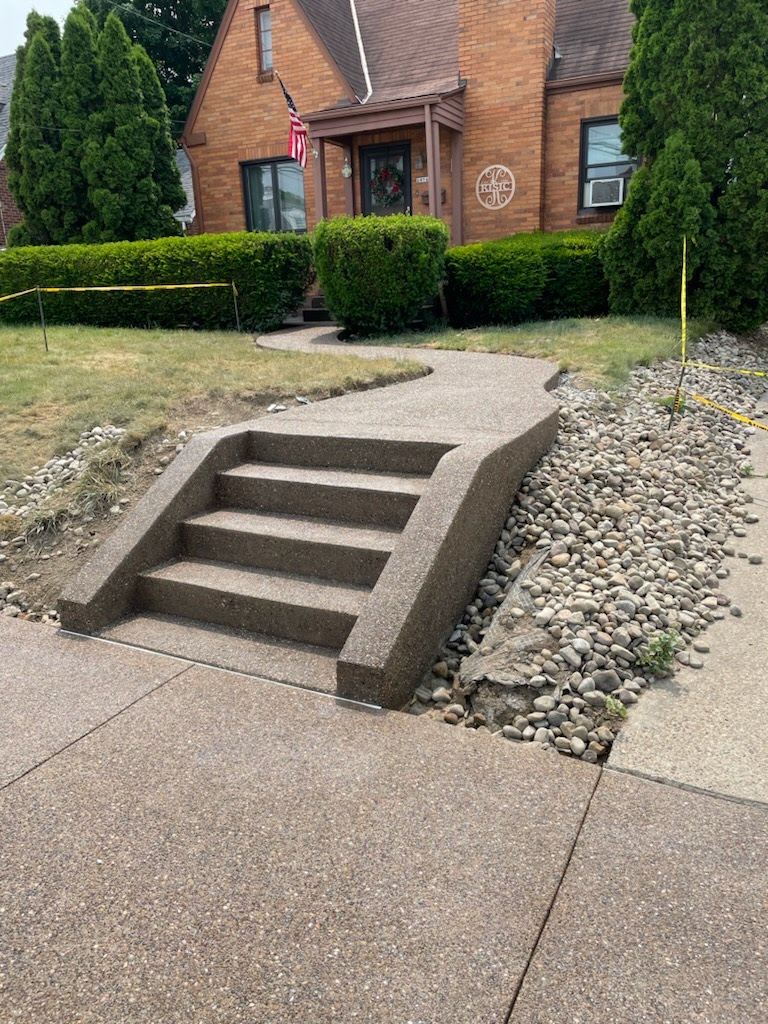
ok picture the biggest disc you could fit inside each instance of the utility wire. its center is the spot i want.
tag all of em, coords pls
(160, 24)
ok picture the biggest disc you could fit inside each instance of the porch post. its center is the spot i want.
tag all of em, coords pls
(349, 184)
(431, 169)
(457, 187)
(321, 189)
(438, 175)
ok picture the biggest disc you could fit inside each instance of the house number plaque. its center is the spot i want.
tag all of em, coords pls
(495, 187)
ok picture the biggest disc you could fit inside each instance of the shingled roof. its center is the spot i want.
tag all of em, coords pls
(7, 75)
(411, 49)
(593, 37)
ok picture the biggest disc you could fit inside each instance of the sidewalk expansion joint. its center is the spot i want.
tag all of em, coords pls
(188, 663)
(545, 921)
(96, 728)
(660, 780)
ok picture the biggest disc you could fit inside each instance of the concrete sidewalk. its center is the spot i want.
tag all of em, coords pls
(185, 844)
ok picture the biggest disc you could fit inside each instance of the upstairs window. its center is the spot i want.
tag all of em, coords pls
(264, 39)
(605, 168)
(274, 196)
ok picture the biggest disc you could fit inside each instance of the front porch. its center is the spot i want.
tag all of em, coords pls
(423, 140)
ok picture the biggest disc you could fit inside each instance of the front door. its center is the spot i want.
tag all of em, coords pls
(386, 178)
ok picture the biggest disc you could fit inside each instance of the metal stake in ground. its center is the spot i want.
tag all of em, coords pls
(237, 310)
(684, 318)
(42, 316)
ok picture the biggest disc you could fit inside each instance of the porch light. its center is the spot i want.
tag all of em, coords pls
(346, 170)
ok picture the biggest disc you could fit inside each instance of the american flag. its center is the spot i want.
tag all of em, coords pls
(297, 140)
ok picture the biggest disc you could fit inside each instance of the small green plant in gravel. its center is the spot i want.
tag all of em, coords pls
(659, 653)
(614, 708)
(747, 469)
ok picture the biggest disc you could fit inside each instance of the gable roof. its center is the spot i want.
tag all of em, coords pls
(332, 21)
(593, 37)
(7, 75)
(411, 49)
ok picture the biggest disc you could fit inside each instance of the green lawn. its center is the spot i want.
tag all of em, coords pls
(133, 379)
(601, 352)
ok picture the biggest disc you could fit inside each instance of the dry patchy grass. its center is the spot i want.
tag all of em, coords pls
(133, 378)
(601, 352)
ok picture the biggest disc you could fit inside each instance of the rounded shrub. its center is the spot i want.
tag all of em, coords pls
(526, 277)
(271, 273)
(378, 272)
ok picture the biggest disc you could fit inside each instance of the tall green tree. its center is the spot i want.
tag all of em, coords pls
(120, 148)
(696, 109)
(179, 59)
(20, 113)
(34, 166)
(165, 170)
(79, 102)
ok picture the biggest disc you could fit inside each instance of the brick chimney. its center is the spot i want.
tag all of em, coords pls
(505, 47)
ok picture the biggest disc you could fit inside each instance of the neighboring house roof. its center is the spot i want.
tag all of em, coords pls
(187, 213)
(7, 75)
(593, 37)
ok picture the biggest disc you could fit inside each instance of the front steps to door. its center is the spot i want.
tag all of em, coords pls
(327, 551)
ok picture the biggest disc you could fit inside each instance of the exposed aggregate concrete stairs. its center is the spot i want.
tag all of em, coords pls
(274, 578)
(334, 546)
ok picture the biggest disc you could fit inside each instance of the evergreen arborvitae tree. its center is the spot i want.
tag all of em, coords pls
(178, 56)
(79, 98)
(20, 115)
(119, 152)
(35, 171)
(165, 170)
(696, 108)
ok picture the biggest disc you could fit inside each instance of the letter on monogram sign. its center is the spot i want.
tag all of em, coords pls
(495, 187)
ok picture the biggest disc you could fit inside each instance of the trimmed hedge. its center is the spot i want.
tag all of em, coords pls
(271, 272)
(378, 272)
(527, 277)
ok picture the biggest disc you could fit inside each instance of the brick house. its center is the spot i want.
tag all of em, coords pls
(9, 212)
(495, 115)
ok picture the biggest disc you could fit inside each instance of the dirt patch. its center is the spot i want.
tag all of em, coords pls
(43, 565)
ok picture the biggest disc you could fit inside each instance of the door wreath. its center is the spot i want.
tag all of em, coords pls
(388, 185)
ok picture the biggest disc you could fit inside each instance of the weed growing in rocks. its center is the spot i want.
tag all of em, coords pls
(659, 654)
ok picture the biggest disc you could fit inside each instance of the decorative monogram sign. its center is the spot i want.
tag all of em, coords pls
(495, 187)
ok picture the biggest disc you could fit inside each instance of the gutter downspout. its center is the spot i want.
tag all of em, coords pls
(361, 48)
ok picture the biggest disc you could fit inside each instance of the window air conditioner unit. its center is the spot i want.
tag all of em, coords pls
(606, 192)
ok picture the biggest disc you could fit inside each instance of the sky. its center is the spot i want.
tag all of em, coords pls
(13, 19)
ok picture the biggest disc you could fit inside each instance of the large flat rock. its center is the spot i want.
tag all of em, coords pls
(231, 851)
(51, 693)
(707, 728)
(662, 917)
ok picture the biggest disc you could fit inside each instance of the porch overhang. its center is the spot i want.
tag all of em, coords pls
(338, 125)
(336, 122)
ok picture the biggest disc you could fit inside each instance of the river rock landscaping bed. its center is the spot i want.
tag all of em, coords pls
(612, 562)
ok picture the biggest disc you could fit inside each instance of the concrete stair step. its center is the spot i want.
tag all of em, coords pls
(290, 607)
(381, 499)
(283, 661)
(321, 451)
(295, 544)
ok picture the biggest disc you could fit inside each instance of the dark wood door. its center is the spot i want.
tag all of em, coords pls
(386, 179)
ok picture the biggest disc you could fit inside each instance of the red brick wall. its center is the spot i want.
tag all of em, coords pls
(504, 49)
(9, 212)
(247, 119)
(565, 112)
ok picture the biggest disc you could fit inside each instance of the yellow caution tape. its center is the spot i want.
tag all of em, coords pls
(17, 295)
(134, 288)
(730, 412)
(725, 369)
